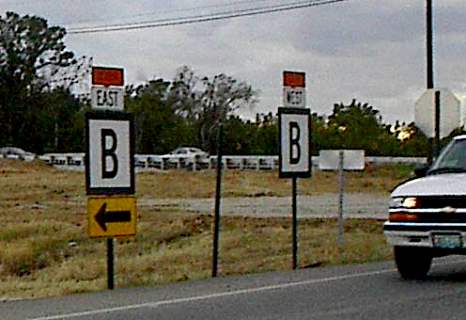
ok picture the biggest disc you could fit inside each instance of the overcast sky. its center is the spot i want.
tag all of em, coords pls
(371, 50)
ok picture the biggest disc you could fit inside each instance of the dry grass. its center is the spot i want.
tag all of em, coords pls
(176, 184)
(45, 250)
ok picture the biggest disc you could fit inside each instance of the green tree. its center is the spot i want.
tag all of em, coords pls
(208, 102)
(158, 128)
(266, 135)
(31, 52)
(239, 136)
(415, 143)
(358, 126)
(318, 133)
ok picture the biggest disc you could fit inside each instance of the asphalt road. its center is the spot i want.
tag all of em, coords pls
(372, 291)
(355, 205)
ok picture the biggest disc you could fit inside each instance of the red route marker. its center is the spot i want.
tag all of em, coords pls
(107, 76)
(294, 79)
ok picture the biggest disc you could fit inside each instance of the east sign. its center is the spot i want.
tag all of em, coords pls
(107, 92)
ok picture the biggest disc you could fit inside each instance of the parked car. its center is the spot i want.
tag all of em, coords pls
(186, 157)
(16, 153)
(427, 215)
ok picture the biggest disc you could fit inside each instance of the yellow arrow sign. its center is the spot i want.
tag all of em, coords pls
(113, 216)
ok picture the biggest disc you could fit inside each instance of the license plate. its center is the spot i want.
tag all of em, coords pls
(447, 241)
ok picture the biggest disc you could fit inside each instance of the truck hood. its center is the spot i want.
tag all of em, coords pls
(439, 184)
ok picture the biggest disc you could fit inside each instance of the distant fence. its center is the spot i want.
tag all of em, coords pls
(75, 161)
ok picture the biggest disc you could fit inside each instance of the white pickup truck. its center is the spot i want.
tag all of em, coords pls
(427, 215)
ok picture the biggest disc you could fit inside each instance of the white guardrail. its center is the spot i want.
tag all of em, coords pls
(147, 162)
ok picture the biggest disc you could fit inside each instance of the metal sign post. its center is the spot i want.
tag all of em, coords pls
(110, 163)
(341, 179)
(437, 125)
(294, 204)
(294, 158)
(110, 264)
(218, 191)
(341, 160)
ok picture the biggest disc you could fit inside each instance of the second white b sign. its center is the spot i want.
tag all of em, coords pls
(295, 156)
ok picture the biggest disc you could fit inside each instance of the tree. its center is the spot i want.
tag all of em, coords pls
(239, 136)
(318, 133)
(416, 143)
(158, 128)
(31, 52)
(208, 102)
(358, 126)
(266, 135)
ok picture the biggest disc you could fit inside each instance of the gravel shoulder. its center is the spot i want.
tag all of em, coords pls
(325, 205)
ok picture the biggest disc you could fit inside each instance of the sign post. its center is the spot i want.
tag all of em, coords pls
(110, 180)
(341, 160)
(341, 179)
(295, 143)
(294, 157)
(218, 191)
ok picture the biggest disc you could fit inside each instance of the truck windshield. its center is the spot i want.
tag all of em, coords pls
(451, 159)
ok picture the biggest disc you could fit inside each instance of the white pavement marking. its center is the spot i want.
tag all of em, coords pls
(212, 296)
(226, 294)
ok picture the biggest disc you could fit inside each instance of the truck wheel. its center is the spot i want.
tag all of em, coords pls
(412, 263)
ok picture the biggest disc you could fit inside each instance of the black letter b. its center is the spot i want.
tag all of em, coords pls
(109, 153)
(294, 143)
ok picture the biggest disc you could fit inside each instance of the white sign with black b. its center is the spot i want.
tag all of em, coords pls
(295, 149)
(109, 153)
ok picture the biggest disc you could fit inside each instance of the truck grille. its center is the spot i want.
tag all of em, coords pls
(442, 217)
(439, 202)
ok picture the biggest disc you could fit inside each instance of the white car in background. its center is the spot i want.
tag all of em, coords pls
(16, 153)
(186, 157)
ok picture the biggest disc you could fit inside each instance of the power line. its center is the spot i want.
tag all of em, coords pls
(203, 18)
(167, 11)
(183, 18)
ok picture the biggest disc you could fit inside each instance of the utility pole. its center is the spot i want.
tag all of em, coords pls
(429, 33)
(435, 143)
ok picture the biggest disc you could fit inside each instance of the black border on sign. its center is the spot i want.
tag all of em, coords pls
(294, 174)
(110, 115)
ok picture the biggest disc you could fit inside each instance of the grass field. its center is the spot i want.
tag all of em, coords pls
(45, 250)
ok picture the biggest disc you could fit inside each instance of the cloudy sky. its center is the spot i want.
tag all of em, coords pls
(371, 50)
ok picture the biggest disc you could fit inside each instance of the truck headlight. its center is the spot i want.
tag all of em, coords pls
(404, 203)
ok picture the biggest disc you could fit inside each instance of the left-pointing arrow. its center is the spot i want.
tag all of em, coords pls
(103, 216)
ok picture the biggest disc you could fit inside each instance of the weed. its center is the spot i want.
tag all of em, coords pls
(45, 251)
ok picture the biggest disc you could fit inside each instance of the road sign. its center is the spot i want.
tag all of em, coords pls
(107, 98)
(109, 153)
(107, 92)
(107, 76)
(113, 216)
(352, 159)
(294, 89)
(295, 142)
(450, 112)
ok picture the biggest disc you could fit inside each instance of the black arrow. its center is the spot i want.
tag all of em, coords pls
(103, 216)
